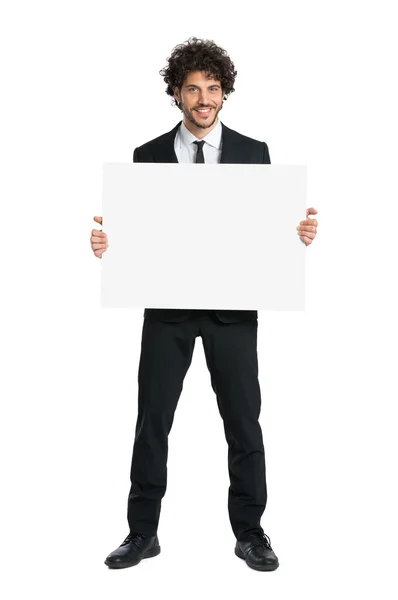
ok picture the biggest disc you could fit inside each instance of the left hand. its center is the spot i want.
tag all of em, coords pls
(307, 229)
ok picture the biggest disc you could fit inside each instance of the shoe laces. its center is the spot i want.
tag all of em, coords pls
(263, 540)
(266, 541)
(130, 538)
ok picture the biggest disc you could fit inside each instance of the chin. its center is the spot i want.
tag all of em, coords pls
(204, 125)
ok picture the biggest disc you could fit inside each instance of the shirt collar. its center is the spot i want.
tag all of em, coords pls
(213, 138)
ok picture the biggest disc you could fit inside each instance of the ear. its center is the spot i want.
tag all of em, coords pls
(177, 96)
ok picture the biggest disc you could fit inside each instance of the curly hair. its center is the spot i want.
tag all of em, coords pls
(198, 55)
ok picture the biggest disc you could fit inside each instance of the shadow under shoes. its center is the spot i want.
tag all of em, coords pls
(257, 552)
(135, 547)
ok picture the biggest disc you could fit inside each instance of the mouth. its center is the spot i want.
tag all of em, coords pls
(203, 112)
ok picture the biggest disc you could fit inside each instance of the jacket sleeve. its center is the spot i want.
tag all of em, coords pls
(135, 156)
(266, 158)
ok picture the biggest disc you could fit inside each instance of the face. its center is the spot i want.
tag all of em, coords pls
(199, 92)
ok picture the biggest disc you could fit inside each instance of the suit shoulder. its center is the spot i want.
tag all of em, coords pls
(253, 150)
(147, 152)
(239, 137)
(154, 142)
(165, 137)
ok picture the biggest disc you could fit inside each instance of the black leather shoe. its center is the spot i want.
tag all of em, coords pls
(135, 547)
(257, 552)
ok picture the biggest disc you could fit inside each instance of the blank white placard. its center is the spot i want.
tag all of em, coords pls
(204, 236)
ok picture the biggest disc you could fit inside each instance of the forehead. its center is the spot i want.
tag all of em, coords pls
(200, 78)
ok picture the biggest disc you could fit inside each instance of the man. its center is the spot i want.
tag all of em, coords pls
(199, 76)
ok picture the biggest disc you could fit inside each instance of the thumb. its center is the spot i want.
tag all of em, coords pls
(98, 220)
(311, 211)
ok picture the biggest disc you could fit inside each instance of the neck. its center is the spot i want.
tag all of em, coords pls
(198, 131)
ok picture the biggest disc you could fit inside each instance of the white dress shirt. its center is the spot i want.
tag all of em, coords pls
(186, 150)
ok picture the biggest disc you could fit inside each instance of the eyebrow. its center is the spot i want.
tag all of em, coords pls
(194, 85)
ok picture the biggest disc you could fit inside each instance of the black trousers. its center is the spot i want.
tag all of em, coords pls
(231, 357)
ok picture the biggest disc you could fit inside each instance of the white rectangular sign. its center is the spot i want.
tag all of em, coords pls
(204, 236)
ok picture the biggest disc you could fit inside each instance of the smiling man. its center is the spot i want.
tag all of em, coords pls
(199, 77)
(200, 100)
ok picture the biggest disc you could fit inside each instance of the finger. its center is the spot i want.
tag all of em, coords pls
(307, 241)
(98, 220)
(313, 222)
(99, 253)
(306, 228)
(98, 232)
(309, 234)
(99, 238)
(99, 246)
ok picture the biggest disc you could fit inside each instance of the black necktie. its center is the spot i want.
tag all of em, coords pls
(199, 155)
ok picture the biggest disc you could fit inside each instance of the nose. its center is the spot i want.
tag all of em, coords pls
(203, 98)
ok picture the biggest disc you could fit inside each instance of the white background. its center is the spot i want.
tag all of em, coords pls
(80, 87)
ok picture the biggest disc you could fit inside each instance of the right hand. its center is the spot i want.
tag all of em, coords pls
(99, 240)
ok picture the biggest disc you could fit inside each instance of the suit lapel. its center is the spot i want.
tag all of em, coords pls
(229, 152)
(165, 148)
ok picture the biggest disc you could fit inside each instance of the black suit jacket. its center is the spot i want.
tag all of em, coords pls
(236, 149)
